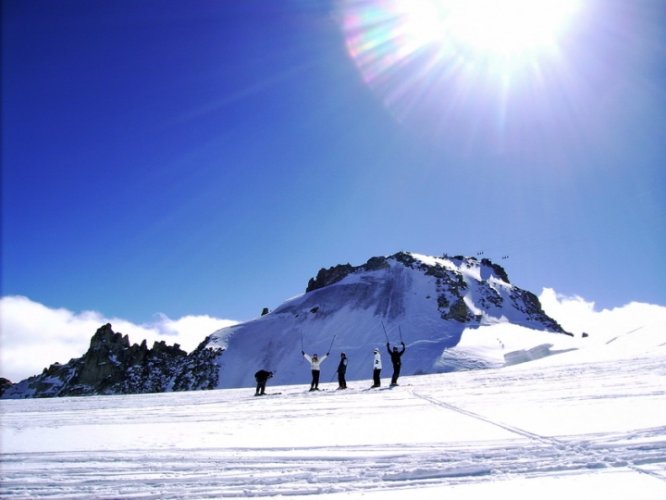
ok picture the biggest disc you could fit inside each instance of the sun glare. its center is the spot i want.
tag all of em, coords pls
(437, 56)
(488, 28)
(499, 34)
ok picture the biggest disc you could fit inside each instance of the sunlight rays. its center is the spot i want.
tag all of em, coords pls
(382, 34)
(505, 28)
(435, 57)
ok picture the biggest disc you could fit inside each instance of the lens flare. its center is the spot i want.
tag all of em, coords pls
(383, 33)
(507, 28)
(420, 54)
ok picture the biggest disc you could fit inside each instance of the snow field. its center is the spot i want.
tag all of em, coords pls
(542, 429)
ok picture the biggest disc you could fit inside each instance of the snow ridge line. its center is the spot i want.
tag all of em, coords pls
(558, 444)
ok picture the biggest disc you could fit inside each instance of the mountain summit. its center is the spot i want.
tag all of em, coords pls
(425, 302)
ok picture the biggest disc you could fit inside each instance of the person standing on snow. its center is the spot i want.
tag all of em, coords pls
(315, 365)
(342, 370)
(376, 369)
(262, 377)
(395, 360)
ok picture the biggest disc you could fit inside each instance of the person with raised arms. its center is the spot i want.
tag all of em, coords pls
(315, 365)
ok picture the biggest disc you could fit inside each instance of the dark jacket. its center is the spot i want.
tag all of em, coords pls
(342, 367)
(396, 355)
(262, 375)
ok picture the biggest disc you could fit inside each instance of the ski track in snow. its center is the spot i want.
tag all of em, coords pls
(440, 430)
(239, 472)
(581, 452)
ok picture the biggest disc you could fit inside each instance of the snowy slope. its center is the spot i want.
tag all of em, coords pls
(415, 298)
(582, 424)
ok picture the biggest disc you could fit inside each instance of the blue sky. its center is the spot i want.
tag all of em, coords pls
(208, 157)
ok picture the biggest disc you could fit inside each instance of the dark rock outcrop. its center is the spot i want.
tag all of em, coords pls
(528, 303)
(4, 385)
(110, 366)
(459, 312)
(199, 371)
(326, 277)
(497, 270)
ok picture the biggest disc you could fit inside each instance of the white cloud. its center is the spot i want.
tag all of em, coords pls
(34, 336)
(578, 315)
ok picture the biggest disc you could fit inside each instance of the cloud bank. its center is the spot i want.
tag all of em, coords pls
(34, 336)
(578, 315)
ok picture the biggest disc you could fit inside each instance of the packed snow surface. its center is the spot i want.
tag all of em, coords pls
(589, 423)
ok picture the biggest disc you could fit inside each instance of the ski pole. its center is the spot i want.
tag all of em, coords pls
(302, 348)
(400, 330)
(329, 347)
(385, 334)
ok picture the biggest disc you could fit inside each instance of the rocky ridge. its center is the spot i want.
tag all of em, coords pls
(110, 366)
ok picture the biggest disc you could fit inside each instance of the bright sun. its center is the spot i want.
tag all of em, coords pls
(444, 54)
(499, 33)
(504, 29)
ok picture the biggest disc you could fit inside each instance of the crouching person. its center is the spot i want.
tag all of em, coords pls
(262, 377)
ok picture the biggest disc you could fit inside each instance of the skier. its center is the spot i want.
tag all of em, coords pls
(315, 364)
(395, 360)
(342, 370)
(376, 369)
(262, 377)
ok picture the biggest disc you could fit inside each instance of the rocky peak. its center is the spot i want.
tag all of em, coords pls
(326, 277)
(110, 366)
(332, 275)
(105, 340)
(458, 279)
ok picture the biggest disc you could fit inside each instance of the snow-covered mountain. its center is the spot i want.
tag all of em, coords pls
(426, 302)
